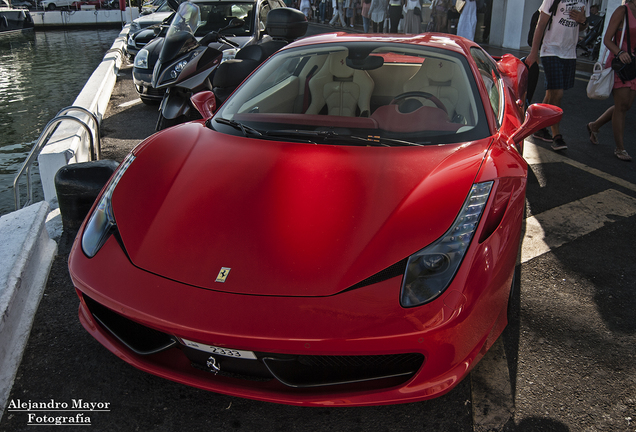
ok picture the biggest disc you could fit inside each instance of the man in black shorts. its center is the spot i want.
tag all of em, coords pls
(559, 25)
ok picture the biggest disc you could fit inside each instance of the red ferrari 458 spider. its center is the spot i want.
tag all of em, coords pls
(343, 230)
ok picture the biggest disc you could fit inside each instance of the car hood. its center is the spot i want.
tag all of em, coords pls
(151, 19)
(287, 219)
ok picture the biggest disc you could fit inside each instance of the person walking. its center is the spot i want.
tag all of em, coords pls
(305, 8)
(366, 16)
(338, 14)
(559, 24)
(440, 13)
(321, 9)
(413, 17)
(378, 14)
(623, 92)
(468, 20)
(395, 14)
(349, 11)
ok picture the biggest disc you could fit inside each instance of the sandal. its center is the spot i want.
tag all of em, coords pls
(622, 155)
(593, 135)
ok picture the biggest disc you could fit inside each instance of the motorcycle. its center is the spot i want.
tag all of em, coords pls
(591, 42)
(186, 67)
(185, 64)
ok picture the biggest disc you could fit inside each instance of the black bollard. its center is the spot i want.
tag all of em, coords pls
(77, 186)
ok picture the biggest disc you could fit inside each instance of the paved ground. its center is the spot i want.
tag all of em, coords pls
(567, 360)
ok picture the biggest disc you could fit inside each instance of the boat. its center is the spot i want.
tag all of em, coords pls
(14, 19)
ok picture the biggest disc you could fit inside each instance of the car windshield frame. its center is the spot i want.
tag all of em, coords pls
(257, 108)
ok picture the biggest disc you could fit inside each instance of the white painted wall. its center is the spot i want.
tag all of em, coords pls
(83, 17)
(511, 20)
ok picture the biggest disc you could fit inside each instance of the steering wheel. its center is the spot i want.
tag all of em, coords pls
(413, 94)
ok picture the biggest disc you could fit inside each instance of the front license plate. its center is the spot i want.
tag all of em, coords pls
(227, 352)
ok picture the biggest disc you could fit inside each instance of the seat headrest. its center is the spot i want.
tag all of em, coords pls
(439, 70)
(338, 65)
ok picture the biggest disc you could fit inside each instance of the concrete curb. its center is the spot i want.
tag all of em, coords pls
(28, 254)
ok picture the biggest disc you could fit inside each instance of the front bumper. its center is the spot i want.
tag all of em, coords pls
(436, 344)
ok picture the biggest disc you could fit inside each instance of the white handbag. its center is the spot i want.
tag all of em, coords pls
(602, 79)
(601, 82)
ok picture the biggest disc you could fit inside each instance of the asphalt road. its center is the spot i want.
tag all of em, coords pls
(566, 363)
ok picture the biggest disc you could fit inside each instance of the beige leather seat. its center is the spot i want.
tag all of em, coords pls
(436, 77)
(344, 90)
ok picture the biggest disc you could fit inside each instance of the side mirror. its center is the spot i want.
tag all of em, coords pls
(205, 103)
(208, 38)
(538, 116)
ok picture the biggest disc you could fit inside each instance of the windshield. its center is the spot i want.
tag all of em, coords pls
(359, 93)
(185, 20)
(216, 15)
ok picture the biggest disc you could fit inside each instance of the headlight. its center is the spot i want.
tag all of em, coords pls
(178, 68)
(172, 72)
(430, 271)
(102, 222)
(141, 59)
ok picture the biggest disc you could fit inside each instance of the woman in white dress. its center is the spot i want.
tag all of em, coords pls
(305, 7)
(413, 17)
(468, 20)
(378, 14)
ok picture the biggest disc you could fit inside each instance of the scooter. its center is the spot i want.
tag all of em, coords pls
(186, 67)
(591, 43)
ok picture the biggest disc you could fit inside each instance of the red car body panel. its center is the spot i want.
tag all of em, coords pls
(300, 225)
(312, 199)
(453, 332)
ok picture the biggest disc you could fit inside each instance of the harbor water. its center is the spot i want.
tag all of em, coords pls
(41, 72)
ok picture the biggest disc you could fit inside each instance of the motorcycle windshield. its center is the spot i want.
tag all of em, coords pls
(185, 20)
(180, 35)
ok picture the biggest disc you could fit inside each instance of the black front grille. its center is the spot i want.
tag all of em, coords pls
(292, 370)
(314, 371)
(140, 339)
(151, 91)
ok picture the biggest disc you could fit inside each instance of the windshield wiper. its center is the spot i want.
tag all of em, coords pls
(329, 135)
(247, 131)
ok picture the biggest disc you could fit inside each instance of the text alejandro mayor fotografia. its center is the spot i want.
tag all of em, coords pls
(76, 412)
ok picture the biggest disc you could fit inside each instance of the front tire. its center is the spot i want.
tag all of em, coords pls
(50, 7)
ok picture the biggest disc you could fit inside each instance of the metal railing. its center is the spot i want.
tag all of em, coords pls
(49, 129)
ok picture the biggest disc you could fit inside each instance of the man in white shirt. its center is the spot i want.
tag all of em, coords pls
(559, 25)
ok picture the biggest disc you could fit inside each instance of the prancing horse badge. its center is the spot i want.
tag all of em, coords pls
(223, 274)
